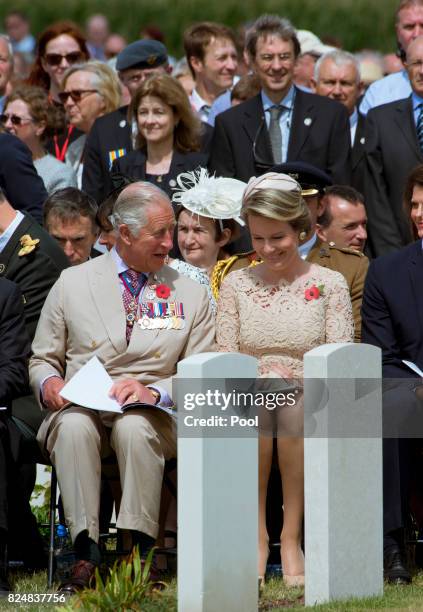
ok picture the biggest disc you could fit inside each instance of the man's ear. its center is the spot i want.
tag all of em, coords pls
(196, 64)
(313, 84)
(321, 232)
(225, 237)
(125, 234)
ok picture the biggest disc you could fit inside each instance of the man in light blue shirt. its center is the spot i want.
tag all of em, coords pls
(408, 26)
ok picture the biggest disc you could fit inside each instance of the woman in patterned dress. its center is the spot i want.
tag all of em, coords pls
(277, 311)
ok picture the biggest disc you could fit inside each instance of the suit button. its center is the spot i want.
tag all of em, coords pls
(157, 355)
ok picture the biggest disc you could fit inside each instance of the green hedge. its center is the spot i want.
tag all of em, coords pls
(357, 23)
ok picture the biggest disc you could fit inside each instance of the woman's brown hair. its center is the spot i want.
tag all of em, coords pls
(171, 92)
(39, 108)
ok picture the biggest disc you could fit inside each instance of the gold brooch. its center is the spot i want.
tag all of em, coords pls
(28, 245)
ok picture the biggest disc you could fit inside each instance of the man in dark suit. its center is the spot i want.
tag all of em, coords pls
(111, 135)
(392, 316)
(337, 76)
(393, 149)
(282, 123)
(18, 178)
(14, 354)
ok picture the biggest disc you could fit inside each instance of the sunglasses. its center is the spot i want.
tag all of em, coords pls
(75, 94)
(14, 119)
(55, 59)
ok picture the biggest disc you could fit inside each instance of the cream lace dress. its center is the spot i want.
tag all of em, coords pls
(276, 323)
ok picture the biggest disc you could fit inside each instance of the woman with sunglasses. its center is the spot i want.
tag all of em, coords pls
(89, 91)
(168, 141)
(29, 116)
(60, 46)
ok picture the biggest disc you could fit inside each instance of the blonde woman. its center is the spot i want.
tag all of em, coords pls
(277, 311)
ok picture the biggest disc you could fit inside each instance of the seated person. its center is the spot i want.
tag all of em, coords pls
(343, 221)
(70, 217)
(14, 349)
(85, 316)
(392, 320)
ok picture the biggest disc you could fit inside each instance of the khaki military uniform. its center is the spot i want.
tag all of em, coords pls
(351, 264)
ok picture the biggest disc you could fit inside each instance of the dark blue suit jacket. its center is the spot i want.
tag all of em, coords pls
(392, 309)
(19, 180)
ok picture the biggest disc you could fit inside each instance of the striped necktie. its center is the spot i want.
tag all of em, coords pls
(419, 127)
(275, 133)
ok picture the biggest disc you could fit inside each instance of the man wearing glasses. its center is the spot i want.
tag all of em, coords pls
(281, 123)
(394, 144)
(111, 135)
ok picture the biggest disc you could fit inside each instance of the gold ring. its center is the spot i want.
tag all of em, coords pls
(134, 397)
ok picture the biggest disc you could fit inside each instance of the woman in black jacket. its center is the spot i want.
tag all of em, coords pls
(168, 139)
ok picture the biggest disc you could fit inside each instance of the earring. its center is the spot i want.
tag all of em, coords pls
(302, 235)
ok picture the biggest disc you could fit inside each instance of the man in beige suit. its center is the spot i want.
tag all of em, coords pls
(99, 308)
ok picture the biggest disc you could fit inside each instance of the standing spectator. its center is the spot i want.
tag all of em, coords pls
(6, 67)
(337, 76)
(97, 30)
(168, 135)
(111, 136)
(29, 116)
(394, 142)
(18, 28)
(210, 49)
(89, 91)
(396, 86)
(60, 46)
(115, 44)
(282, 122)
(311, 49)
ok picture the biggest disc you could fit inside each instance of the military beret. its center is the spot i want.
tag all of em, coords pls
(142, 54)
(312, 179)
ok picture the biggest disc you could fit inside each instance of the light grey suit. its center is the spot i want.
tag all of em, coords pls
(84, 316)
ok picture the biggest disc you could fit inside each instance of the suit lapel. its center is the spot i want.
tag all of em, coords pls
(107, 297)
(405, 121)
(254, 124)
(13, 242)
(357, 150)
(302, 121)
(416, 277)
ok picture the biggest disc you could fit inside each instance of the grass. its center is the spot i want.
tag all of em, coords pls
(275, 598)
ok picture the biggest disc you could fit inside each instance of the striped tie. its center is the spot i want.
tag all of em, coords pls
(419, 127)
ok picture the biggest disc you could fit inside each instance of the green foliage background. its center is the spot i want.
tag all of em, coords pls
(357, 23)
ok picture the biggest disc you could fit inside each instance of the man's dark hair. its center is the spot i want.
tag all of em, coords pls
(344, 192)
(414, 179)
(69, 204)
(271, 25)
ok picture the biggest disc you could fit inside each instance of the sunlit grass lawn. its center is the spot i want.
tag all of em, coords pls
(275, 597)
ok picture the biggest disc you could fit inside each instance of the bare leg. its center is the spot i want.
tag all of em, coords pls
(265, 463)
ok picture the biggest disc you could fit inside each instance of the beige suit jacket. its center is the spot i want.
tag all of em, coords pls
(84, 316)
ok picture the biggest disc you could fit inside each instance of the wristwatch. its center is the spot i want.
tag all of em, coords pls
(157, 396)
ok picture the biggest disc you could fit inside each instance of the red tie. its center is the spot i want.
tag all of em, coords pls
(132, 284)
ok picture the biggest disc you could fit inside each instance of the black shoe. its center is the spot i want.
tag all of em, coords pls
(395, 571)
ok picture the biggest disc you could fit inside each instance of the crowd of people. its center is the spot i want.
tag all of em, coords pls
(262, 195)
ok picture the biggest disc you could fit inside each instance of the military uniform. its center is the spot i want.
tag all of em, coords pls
(350, 263)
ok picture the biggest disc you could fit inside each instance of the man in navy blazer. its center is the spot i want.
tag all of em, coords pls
(392, 319)
(282, 123)
(19, 179)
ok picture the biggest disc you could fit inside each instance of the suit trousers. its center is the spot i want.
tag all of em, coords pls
(3, 474)
(142, 441)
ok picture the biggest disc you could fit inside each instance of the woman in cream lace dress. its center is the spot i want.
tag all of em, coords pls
(277, 311)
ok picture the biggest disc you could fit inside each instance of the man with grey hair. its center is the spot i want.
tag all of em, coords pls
(6, 67)
(337, 76)
(139, 317)
(282, 123)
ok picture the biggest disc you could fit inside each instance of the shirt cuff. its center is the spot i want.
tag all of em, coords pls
(165, 399)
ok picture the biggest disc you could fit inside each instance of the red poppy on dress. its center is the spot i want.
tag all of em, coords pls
(313, 293)
(162, 292)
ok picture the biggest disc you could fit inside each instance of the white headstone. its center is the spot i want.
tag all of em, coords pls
(343, 473)
(217, 496)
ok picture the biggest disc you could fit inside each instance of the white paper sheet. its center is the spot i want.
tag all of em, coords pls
(413, 367)
(90, 386)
